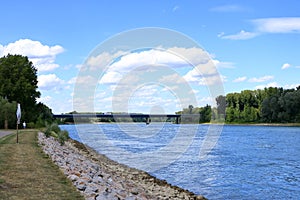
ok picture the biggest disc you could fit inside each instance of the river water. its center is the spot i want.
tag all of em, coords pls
(247, 162)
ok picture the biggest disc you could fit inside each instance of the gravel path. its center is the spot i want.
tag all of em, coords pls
(4, 133)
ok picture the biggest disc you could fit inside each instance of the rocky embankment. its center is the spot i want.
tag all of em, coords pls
(98, 177)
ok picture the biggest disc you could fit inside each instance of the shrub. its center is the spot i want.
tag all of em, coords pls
(30, 125)
(63, 136)
(52, 130)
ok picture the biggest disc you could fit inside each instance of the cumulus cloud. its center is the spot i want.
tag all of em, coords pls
(261, 79)
(196, 59)
(272, 84)
(50, 82)
(278, 25)
(267, 26)
(221, 64)
(285, 66)
(42, 56)
(239, 79)
(242, 35)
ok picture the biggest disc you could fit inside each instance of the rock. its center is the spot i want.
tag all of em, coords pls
(98, 177)
(81, 186)
(73, 177)
(134, 191)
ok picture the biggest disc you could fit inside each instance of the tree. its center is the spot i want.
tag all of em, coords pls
(221, 105)
(7, 114)
(191, 109)
(18, 82)
(205, 114)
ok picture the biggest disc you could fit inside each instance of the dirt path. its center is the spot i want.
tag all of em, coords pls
(4, 133)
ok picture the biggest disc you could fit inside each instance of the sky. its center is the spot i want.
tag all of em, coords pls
(237, 45)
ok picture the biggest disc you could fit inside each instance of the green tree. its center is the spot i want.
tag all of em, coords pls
(205, 114)
(221, 106)
(7, 114)
(18, 82)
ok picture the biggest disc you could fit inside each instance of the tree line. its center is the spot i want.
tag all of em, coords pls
(269, 105)
(18, 84)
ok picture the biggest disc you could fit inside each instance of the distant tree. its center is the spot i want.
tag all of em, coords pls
(205, 114)
(18, 82)
(221, 105)
(191, 109)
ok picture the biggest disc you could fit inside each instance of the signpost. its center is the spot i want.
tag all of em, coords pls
(18, 120)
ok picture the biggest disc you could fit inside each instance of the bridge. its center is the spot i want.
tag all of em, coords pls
(129, 115)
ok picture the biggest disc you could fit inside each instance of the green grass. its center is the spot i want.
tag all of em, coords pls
(27, 173)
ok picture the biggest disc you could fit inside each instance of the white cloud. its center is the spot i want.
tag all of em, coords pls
(267, 26)
(285, 66)
(174, 58)
(261, 79)
(242, 35)
(275, 84)
(278, 25)
(42, 56)
(111, 78)
(239, 79)
(50, 82)
(291, 86)
(272, 84)
(45, 99)
(173, 78)
(228, 65)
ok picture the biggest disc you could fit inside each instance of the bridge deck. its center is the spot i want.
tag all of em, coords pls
(130, 115)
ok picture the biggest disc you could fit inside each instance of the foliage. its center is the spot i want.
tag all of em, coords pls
(18, 83)
(54, 131)
(63, 136)
(271, 105)
(7, 113)
(196, 114)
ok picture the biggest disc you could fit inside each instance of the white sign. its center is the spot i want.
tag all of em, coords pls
(18, 114)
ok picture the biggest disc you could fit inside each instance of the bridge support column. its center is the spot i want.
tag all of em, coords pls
(148, 120)
(177, 120)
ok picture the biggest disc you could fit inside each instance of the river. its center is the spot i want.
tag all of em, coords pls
(247, 162)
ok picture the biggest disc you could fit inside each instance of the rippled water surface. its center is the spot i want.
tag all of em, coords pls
(248, 162)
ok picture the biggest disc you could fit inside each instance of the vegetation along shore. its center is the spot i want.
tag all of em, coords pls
(28, 173)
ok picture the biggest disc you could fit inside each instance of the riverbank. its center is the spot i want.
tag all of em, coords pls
(265, 124)
(27, 173)
(98, 177)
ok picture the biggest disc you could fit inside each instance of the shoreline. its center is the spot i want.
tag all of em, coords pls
(212, 123)
(265, 124)
(98, 177)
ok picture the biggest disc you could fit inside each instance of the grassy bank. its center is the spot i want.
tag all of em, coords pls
(27, 173)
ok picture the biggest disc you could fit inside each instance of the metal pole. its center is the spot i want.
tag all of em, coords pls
(17, 133)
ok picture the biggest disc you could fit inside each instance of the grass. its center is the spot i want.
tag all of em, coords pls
(27, 173)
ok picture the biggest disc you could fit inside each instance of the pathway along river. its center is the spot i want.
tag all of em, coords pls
(248, 162)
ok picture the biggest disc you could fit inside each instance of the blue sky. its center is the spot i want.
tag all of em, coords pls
(254, 44)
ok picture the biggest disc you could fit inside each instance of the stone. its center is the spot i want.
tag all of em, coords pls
(97, 177)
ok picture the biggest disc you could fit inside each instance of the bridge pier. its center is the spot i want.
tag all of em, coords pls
(148, 120)
(177, 120)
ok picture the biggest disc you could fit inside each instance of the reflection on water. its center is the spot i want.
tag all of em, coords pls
(248, 162)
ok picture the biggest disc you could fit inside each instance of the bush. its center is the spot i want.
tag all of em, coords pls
(30, 125)
(63, 136)
(52, 130)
